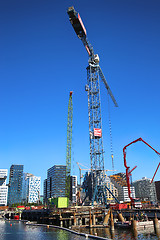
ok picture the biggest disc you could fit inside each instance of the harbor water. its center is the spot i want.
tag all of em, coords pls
(21, 231)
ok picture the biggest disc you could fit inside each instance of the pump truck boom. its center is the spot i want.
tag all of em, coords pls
(128, 171)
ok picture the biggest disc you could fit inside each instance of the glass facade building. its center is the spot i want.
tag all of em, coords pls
(56, 181)
(45, 191)
(15, 184)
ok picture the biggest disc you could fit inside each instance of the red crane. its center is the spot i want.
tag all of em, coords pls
(128, 171)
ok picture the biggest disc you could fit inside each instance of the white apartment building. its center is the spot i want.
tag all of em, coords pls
(3, 187)
(34, 189)
(31, 188)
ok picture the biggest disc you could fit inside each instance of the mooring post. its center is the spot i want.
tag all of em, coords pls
(134, 226)
(94, 219)
(111, 221)
(74, 219)
(120, 217)
(90, 218)
(106, 218)
(156, 225)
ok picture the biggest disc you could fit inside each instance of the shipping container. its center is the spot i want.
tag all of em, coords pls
(60, 202)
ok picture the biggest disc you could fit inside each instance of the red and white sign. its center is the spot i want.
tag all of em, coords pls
(97, 132)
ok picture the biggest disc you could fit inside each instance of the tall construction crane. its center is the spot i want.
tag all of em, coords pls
(69, 145)
(94, 72)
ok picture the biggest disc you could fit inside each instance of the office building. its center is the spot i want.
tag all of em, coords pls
(31, 188)
(74, 189)
(56, 181)
(157, 185)
(145, 190)
(119, 181)
(15, 184)
(25, 186)
(45, 191)
(3, 187)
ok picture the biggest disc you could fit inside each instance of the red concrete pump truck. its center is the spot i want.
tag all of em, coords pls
(135, 201)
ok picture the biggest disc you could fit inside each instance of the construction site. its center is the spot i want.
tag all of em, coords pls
(99, 189)
(102, 198)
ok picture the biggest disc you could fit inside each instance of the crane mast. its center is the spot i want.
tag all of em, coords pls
(69, 145)
(94, 73)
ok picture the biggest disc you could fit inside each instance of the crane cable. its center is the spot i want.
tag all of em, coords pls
(110, 132)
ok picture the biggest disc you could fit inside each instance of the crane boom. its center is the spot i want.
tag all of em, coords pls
(81, 32)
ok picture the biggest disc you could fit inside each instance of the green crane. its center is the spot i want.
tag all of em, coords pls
(69, 145)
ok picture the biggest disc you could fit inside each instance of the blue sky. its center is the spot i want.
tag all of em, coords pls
(42, 60)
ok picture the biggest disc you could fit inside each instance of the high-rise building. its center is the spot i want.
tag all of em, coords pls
(119, 181)
(3, 187)
(157, 184)
(145, 190)
(25, 186)
(34, 189)
(45, 191)
(15, 184)
(31, 188)
(56, 181)
(74, 189)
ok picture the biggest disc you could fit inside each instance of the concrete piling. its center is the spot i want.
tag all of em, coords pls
(134, 227)
(111, 221)
(156, 226)
(94, 219)
(120, 217)
(74, 217)
(106, 218)
(90, 218)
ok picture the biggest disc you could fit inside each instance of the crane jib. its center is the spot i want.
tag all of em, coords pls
(77, 23)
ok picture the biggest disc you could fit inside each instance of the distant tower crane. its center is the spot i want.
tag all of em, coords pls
(69, 145)
(94, 110)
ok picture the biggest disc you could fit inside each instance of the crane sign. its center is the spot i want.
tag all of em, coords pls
(128, 171)
(94, 72)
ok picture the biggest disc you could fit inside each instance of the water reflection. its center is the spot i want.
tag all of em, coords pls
(20, 231)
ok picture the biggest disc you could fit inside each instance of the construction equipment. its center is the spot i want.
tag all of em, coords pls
(87, 169)
(94, 110)
(80, 171)
(128, 171)
(69, 145)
